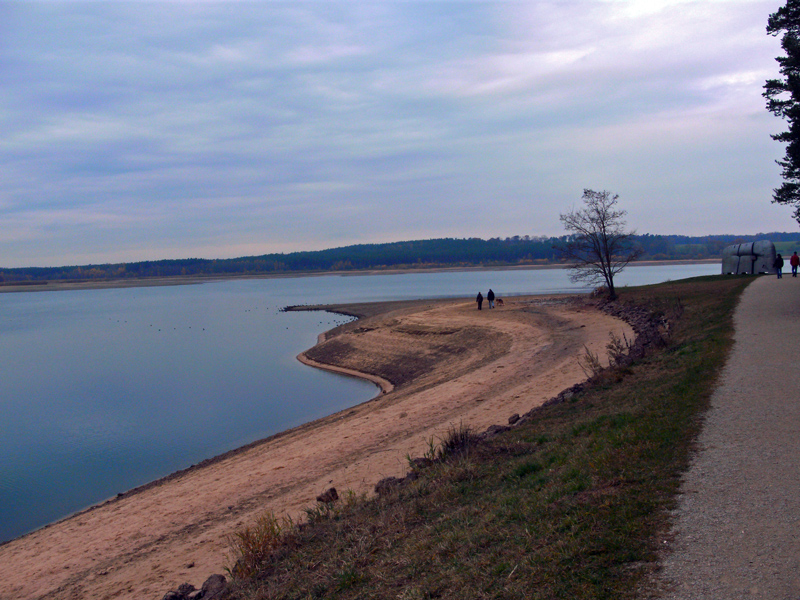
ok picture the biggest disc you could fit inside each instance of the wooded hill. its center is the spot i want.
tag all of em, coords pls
(447, 252)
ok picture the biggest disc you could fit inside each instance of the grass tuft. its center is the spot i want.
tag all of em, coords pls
(457, 441)
(253, 545)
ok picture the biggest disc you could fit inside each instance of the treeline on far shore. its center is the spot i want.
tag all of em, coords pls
(446, 252)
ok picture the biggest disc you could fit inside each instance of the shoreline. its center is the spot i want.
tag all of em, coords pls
(384, 385)
(151, 538)
(66, 285)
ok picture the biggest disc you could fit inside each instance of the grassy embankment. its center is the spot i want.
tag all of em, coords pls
(571, 504)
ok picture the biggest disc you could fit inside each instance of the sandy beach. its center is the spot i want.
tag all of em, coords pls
(438, 364)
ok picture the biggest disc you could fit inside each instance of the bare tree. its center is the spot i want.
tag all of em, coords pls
(598, 246)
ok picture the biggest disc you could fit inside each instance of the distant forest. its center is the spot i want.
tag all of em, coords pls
(447, 252)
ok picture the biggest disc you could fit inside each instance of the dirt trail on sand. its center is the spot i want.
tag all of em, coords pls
(449, 364)
(737, 527)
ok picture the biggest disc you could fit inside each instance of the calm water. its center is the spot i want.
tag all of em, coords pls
(104, 390)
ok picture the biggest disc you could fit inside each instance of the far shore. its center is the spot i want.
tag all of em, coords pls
(98, 284)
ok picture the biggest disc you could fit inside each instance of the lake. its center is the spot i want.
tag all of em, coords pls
(105, 390)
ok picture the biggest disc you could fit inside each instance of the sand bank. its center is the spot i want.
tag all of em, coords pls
(447, 363)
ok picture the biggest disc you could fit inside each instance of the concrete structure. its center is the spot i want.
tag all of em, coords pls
(750, 258)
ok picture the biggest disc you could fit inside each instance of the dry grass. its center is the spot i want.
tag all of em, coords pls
(252, 545)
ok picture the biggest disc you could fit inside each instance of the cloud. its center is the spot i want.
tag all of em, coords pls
(141, 130)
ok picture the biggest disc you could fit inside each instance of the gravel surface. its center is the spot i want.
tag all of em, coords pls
(737, 528)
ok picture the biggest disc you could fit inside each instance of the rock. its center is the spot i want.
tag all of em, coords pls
(494, 430)
(386, 485)
(513, 419)
(421, 463)
(182, 593)
(328, 497)
(214, 587)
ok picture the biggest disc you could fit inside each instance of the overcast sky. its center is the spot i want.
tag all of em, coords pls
(147, 130)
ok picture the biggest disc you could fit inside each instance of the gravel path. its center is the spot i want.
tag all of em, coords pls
(737, 529)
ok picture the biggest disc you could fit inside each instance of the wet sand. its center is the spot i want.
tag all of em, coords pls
(439, 363)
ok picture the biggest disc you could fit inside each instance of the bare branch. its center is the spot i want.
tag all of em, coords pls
(599, 246)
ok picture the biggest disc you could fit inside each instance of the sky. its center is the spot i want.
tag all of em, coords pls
(143, 130)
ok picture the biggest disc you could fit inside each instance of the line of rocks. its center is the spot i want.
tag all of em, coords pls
(214, 588)
(652, 330)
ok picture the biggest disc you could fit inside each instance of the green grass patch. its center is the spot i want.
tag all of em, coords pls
(570, 504)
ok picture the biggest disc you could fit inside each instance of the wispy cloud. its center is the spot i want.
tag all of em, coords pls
(137, 130)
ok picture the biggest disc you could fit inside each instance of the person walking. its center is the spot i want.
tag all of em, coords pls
(490, 298)
(778, 265)
(479, 300)
(794, 260)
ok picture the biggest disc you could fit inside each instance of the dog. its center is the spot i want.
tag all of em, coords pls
(499, 302)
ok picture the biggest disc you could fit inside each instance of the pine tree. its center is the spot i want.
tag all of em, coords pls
(783, 100)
